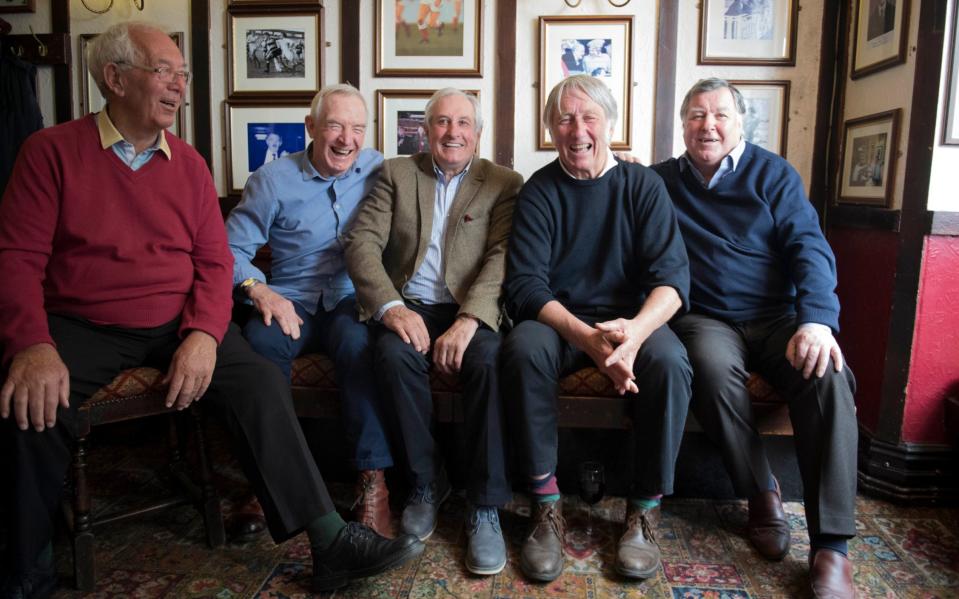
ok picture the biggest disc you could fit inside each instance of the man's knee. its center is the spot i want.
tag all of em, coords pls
(529, 343)
(268, 341)
(392, 354)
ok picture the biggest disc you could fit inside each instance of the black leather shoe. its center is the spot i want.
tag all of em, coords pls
(359, 552)
(39, 583)
(247, 522)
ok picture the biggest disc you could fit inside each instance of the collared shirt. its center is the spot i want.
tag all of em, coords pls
(726, 166)
(610, 164)
(303, 216)
(111, 138)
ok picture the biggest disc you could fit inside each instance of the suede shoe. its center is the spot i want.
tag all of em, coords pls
(486, 551)
(830, 575)
(422, 507)
(372, 504)
(358, 552)
(542, 558)
(39, 583)
(768, 529)
(638, 555)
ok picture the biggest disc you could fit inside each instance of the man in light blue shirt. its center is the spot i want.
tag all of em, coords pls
(301, 205)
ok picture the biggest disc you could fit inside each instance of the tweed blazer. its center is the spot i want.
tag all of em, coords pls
(387, 241)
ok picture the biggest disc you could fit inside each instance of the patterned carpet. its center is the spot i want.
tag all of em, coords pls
(900, 552)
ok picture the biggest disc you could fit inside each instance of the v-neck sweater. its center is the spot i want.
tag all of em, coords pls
(754, 242)
(82, 234)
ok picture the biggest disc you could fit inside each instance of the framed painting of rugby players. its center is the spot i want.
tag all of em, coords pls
(436, 38)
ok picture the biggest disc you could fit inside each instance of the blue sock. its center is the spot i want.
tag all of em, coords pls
(837, 543)
(645, 503)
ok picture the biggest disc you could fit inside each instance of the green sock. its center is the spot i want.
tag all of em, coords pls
(323, 530)
(546, 498)
(644, 503)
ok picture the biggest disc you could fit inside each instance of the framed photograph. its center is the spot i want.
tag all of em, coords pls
(753, 32)
(950, 125)
(869, 151)
(257, 133)
(879, 38)
(766, 122)
(17, 6)
(436, 38)
(274, 53)
(601, 46)
(401, 120)
(91, 100)
(272, 3)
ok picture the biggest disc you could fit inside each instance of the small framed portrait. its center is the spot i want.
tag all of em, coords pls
(437, 38)
(17, 6)
(766, 121)
(748, 32)
(869, 151)
(879, 38)
(258, 133)
(275, 53)
(401, 120)
(950, 125)
(91, 100)
(601, 46)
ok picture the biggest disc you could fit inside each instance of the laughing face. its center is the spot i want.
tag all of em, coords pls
(452, 133)
(337, 133)
(712, 127)
(142, 102)
(581, 133)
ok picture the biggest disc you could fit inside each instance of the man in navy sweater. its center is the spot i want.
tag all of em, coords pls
(596, 267)
(763, 298)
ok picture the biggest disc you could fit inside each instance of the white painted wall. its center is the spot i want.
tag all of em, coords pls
(886, 90)
(945, 159)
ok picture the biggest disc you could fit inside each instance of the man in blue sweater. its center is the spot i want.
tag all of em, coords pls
(596, 267)
(763, 298)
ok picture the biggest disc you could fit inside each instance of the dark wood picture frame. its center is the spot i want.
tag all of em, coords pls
(747, 55)
(861, 168)
(744, 85)
(866, 61)
(234, 148)
(383, 118)
(25, 6)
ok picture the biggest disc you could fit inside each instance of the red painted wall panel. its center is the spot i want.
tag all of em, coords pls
(866, 262)
(934, 367)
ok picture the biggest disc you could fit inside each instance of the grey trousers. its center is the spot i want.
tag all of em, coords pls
(822, 411)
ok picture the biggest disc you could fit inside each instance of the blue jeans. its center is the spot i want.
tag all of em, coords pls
(346, 341)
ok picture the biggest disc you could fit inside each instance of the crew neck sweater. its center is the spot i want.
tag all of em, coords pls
(754, 243)
(597, 246)
(82, 234)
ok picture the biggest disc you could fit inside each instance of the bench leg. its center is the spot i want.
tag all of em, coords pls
(83, 566)
(210, 502)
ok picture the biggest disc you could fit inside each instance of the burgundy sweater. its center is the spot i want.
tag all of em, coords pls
(82, 234)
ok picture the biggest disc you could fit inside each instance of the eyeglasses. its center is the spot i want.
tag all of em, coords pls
(163, 73)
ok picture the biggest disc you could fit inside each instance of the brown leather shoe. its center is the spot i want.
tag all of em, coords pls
(542, 558)
(246, 521)
(830, 575)
(768, 529)
(372, 505)
(638, 554)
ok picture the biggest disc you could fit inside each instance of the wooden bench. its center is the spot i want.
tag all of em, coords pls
(587, 399)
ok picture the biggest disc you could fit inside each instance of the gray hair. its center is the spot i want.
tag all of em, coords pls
(116, 46)
(452, 91)
(593, 88)
(708, 85)
(340, 89)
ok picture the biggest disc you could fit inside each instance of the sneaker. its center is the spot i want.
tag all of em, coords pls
(422, 507)
(486, 550)
(359, 552)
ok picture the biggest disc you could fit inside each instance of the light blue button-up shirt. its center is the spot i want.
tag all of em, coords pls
(289, 205)
(726, 166)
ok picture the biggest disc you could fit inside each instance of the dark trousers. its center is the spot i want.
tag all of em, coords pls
(534, 359)
(246, 390)
(822, 411)
(404, 376)
(346, 341)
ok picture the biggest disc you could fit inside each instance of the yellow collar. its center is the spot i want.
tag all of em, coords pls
(109, 134)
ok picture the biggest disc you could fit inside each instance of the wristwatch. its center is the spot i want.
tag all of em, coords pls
(249, 284)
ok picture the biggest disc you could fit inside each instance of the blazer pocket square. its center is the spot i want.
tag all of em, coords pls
(467, 218)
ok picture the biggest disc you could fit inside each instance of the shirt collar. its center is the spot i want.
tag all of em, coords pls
(610, 164)
(109, 135)
(441, 176)
(731, 159)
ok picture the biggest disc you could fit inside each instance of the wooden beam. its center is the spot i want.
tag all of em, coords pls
(504, 102)
(664, 111)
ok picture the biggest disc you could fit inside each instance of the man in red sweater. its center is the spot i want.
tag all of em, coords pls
(115, 255)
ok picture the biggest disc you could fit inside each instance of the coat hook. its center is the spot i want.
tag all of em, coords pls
(41, 47)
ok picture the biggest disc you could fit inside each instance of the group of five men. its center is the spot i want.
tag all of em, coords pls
(674, 282)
